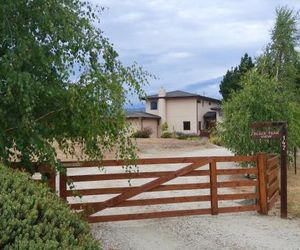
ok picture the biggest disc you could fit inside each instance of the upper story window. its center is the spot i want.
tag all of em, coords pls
(186, 125)
(209, 103)
(153, 105)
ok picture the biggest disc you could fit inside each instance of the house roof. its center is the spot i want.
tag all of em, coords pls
(182, 94)
(141, 114)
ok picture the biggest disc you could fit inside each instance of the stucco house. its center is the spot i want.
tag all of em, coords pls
(182, 111)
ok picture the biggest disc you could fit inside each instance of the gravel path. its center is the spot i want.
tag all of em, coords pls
(236, 231)
(226, 231)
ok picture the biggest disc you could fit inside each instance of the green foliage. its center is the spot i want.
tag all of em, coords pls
(167, 135)
(61, 81)
(164, 127)
(144, 133)
(34, 218)
(269, 92)
(232, 79)
(281, 58)
(181, 136)
(261, 99)
(185, 136)
(215, 136)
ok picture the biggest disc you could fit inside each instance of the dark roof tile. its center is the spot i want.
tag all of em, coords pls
(141, 114)
(179, 93)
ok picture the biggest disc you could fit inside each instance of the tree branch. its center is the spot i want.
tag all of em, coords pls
(36, 120)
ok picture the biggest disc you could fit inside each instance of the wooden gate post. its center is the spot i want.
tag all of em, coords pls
(52, 179)
(63, 185)
(213, 187)
(262, 183)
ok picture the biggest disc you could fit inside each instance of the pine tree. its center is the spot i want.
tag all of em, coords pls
(232, 79)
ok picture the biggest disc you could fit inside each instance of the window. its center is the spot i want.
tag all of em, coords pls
(209, 103)
(153, 105)
(199, 125)
(186, 125)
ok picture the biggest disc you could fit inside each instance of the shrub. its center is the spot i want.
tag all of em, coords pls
(184, 136)
(164, 127)
(181, 136)
(167, 135)
(144, 133)
(31, 217)
(215, 136)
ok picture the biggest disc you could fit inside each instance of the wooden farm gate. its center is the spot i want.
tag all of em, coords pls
(207, 174)
(208, 178)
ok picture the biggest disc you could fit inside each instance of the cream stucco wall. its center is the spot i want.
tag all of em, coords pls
(180, 110)
(204, 107)
(140, 123)
(148, 108)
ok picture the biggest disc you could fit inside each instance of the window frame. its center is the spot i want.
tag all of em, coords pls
(188, 124)
(151, 107)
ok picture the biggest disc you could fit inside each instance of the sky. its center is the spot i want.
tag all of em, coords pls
(188, 44)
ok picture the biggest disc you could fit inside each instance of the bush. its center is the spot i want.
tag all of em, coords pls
(215, 137)
(164, 127)
(184, 136)
(31, 217)
(181, 136)
(167, 135)
(144, 133)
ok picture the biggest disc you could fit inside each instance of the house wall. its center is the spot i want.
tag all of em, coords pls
(135, 124)
(180, 110)
(204, 107)
(140, 123)
(149, 110)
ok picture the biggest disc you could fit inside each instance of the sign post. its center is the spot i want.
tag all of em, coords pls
(282, 135)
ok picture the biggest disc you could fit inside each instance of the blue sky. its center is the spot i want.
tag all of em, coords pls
(188, 44)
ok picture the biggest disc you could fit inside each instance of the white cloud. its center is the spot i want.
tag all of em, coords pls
(187, 41)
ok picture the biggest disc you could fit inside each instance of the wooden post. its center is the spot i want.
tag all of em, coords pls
(283, 172)
(213, 187)
(52, 179)
(262, 186)
(295, 159)
(63, 186)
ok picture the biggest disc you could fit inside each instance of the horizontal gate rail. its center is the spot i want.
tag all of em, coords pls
(214, 193)
(243, 183)
(117, 190)
(148, 161)
(148, 186)
(127, 176)
(124, 195)
(149, 215)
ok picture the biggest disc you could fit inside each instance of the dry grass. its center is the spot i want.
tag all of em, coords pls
(294, 190)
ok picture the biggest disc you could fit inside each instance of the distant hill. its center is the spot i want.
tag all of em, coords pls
(139, 106)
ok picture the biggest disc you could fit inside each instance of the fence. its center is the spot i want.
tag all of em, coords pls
(204, 178)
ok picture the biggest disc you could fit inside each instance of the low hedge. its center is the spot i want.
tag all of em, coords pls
(167, 135)
(32, 217)
(144, 133)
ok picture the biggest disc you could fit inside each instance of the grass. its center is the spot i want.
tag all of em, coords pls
(294, 190)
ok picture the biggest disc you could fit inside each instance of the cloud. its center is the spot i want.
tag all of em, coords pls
(184, 42)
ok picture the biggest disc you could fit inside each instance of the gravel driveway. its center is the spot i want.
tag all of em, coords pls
(226, 231)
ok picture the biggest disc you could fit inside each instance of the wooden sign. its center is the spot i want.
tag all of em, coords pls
(282, 135)
(265, 134)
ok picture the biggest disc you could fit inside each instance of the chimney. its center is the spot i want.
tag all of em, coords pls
(161, 92)
(162, 112)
